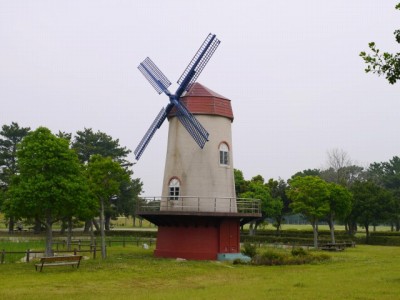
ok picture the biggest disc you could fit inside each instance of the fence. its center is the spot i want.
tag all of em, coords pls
(199, 204)
(79, 247)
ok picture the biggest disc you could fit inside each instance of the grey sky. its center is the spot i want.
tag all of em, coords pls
(291, 69)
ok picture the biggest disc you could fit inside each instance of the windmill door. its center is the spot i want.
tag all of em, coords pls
(229, 237)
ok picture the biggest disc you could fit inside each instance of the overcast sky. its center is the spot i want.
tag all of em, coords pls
(291, 68)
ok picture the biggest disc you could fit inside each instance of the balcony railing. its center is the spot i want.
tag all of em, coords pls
(199, 204)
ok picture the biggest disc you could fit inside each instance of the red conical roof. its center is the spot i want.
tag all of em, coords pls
(201, 100)
(199, 90)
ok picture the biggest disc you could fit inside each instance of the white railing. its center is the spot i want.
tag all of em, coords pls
(199, 204)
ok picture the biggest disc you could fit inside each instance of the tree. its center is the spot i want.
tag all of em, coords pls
(281, 202)
(310, 197)
(128, 198)
(387, 175)
(308, 172)
(341, 169)
(372, 204)
(340, 203)
(50, 185)
(105, 179)
(386, 63)
(13, 134)
(88, 143)
(256, 189)
(241, 184)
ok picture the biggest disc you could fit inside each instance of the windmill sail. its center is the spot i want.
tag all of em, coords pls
(153, 74)
(198, 62)
(195, 129)
(162, 115)
(161, 83)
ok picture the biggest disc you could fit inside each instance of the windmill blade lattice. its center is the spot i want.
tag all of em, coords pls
(162, 115)
(196, 130)
(154, 75)
(198, 62)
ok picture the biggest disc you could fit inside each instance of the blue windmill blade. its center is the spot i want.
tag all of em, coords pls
(162, 115)
(154, 75)
(197, 64)
(195, 129)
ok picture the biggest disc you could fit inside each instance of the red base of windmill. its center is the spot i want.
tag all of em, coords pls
(197, 237)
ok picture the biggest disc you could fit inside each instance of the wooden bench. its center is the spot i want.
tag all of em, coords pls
(73, 261)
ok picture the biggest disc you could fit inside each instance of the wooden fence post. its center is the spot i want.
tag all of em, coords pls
(3, 253)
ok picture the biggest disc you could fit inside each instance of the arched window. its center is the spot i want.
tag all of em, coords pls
(223, 154)
(174, 185)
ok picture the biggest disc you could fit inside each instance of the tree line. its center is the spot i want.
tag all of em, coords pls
(342, 193)
(47, 178)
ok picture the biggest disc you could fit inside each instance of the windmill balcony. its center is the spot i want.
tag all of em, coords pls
(198, 205)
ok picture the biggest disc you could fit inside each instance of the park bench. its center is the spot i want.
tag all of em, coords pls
(73, 260)
(337, 246)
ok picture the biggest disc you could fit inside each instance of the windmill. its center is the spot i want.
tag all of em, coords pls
(198, 215)
(161, 83)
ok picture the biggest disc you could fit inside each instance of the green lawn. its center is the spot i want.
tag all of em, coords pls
(364, 272)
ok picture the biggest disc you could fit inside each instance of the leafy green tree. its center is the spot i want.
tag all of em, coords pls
(50, 185)
(256, 189)
(271, 207)
(383, 63)
(12, 135)
(281, 202)
(88, 143)
(340, 202)
(310, 197)
(387, 175)
(129, 196)
(105, 179)
(308, 172)
(241, 184)
(372, 204)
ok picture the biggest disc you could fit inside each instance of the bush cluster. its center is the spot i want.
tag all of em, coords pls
(297, 256)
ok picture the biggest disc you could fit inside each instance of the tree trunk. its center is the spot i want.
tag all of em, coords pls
(251, 228)
(134, 220)
(69, 233)
(87, 227)
(332, 228)
(140, 222)
(37, 228)
(96, 225)
(107, 220)
(278, 226)
(64, 225)
(49, 238)
(315, 231)
(102, 231)
(366, 234)
(11, 224)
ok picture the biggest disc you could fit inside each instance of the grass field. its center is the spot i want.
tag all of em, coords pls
(364, 272)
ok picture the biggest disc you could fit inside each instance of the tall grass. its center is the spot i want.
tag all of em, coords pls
(364, 272)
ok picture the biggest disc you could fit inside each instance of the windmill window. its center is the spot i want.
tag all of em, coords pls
(224, 154)
(174, 189)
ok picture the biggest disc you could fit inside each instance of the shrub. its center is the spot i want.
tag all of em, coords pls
(297, 256)
(299, 252)
(249, 250)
